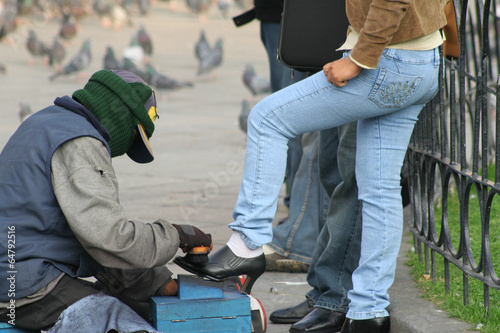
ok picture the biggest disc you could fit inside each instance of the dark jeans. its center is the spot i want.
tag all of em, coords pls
(337, 250)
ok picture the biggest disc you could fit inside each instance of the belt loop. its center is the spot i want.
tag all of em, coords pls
(390, 52)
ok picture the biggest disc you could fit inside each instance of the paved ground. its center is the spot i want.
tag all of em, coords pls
(199, 149)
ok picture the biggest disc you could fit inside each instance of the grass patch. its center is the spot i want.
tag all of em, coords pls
(452, 302)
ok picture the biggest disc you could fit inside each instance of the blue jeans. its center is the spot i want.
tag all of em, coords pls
(280, 77)
(308, 206)
(306, 198)
(100, 313)
(337, 250)
(386, 102)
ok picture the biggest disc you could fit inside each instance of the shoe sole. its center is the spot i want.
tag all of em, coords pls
(291, 266)
(318, 331)
(271, 259)
(284, 321)
(180, 263)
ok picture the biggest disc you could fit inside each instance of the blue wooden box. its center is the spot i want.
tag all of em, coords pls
(7, 328)
(195, 287)
(202, 306)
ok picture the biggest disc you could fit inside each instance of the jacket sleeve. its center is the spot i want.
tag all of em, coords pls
(382, 21)
(87, 191)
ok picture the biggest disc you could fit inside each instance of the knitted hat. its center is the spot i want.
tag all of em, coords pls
(126, 106)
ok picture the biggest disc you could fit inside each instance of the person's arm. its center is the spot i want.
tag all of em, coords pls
(340, 71)
(87, 191)
(382, 21)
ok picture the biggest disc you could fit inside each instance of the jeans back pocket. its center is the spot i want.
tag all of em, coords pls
(393, 90)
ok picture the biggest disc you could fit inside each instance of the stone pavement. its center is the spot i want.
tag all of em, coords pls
(199, 149)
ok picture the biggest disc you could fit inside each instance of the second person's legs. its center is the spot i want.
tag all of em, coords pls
(294, 239)
(336, 254)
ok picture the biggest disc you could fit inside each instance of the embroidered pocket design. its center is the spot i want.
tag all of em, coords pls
(393, 89)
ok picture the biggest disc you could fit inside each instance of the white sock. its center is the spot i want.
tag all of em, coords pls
(239, 248)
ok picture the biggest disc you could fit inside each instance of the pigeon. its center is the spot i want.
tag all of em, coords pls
(78, 63)
(257, 84)
(119, 17)
(144, 6)
(134, 51)
(110, 62)
(9, 20)
(131, 67)
(223, 7)
(144, 40)
(199, 7)
(24, 111)
(212, 60)
(192, 5)
(36, 47)
(128, 5)
(25, 7)
(102, 8)
(243, 4)
(243, 117)
(68, 26)
(78, 9)
(202, 47)
(56, 53)
(161, 81)
(111, 14)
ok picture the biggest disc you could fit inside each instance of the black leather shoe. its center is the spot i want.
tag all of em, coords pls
(224, 263)
(292, 314)
(375, 325)
(320, 320)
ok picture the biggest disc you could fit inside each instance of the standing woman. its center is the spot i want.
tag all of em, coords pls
(387, 75)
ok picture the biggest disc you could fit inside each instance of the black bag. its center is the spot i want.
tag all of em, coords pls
(311, 31)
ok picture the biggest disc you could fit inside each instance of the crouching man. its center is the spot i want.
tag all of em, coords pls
(61, 218)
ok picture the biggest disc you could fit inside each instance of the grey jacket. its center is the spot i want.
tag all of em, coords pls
(87, 190)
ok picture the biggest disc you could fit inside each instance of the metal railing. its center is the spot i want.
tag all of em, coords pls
(453, 144)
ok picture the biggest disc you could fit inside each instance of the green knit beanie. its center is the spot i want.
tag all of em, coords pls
(119, 106)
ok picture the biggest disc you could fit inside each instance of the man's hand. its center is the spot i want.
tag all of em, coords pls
(193, 239)
(340, 71)
(171, 288)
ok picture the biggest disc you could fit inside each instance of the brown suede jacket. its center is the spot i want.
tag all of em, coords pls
(383, 22)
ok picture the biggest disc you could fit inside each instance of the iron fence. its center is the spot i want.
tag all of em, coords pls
(454, 144)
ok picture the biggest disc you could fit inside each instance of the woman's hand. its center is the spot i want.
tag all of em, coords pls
(340, 71)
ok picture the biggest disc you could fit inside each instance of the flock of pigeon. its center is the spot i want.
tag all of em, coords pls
(70, 12)
(135, 58)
